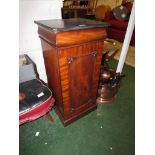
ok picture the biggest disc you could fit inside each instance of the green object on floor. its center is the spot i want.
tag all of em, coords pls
(109, 130)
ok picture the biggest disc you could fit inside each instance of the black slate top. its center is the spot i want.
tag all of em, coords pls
(57, 25)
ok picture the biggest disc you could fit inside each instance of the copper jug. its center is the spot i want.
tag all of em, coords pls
(108, 90)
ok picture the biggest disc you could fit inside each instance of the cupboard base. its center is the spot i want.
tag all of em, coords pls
(75, 117)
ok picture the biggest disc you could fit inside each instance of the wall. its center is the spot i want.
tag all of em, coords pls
(29, 42)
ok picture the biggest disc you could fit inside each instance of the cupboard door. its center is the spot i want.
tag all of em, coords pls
(81, 72)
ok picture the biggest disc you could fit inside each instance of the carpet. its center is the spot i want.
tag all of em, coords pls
(109, 130)
(130, 58)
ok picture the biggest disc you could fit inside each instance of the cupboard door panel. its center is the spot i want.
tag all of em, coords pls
(81, 72)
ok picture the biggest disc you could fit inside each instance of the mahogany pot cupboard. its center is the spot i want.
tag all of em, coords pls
(72, 51)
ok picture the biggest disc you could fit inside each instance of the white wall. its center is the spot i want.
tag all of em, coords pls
(29, 42)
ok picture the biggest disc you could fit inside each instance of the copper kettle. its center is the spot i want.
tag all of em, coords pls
(109, 80)
(109, 86)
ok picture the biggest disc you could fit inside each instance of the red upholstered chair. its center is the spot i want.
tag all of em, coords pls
(118, 28)
(35, 98)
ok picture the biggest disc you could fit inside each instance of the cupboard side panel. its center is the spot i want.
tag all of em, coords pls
(50, 55)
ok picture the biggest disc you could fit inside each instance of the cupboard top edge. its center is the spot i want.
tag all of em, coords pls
(59, 25)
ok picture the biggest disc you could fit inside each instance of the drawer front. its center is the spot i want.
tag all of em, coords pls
(79, 73)
(76, 37)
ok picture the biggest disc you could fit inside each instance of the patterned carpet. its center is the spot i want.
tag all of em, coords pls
(130, 59)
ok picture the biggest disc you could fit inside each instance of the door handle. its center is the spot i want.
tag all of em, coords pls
(70, 60)
(94, 53)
